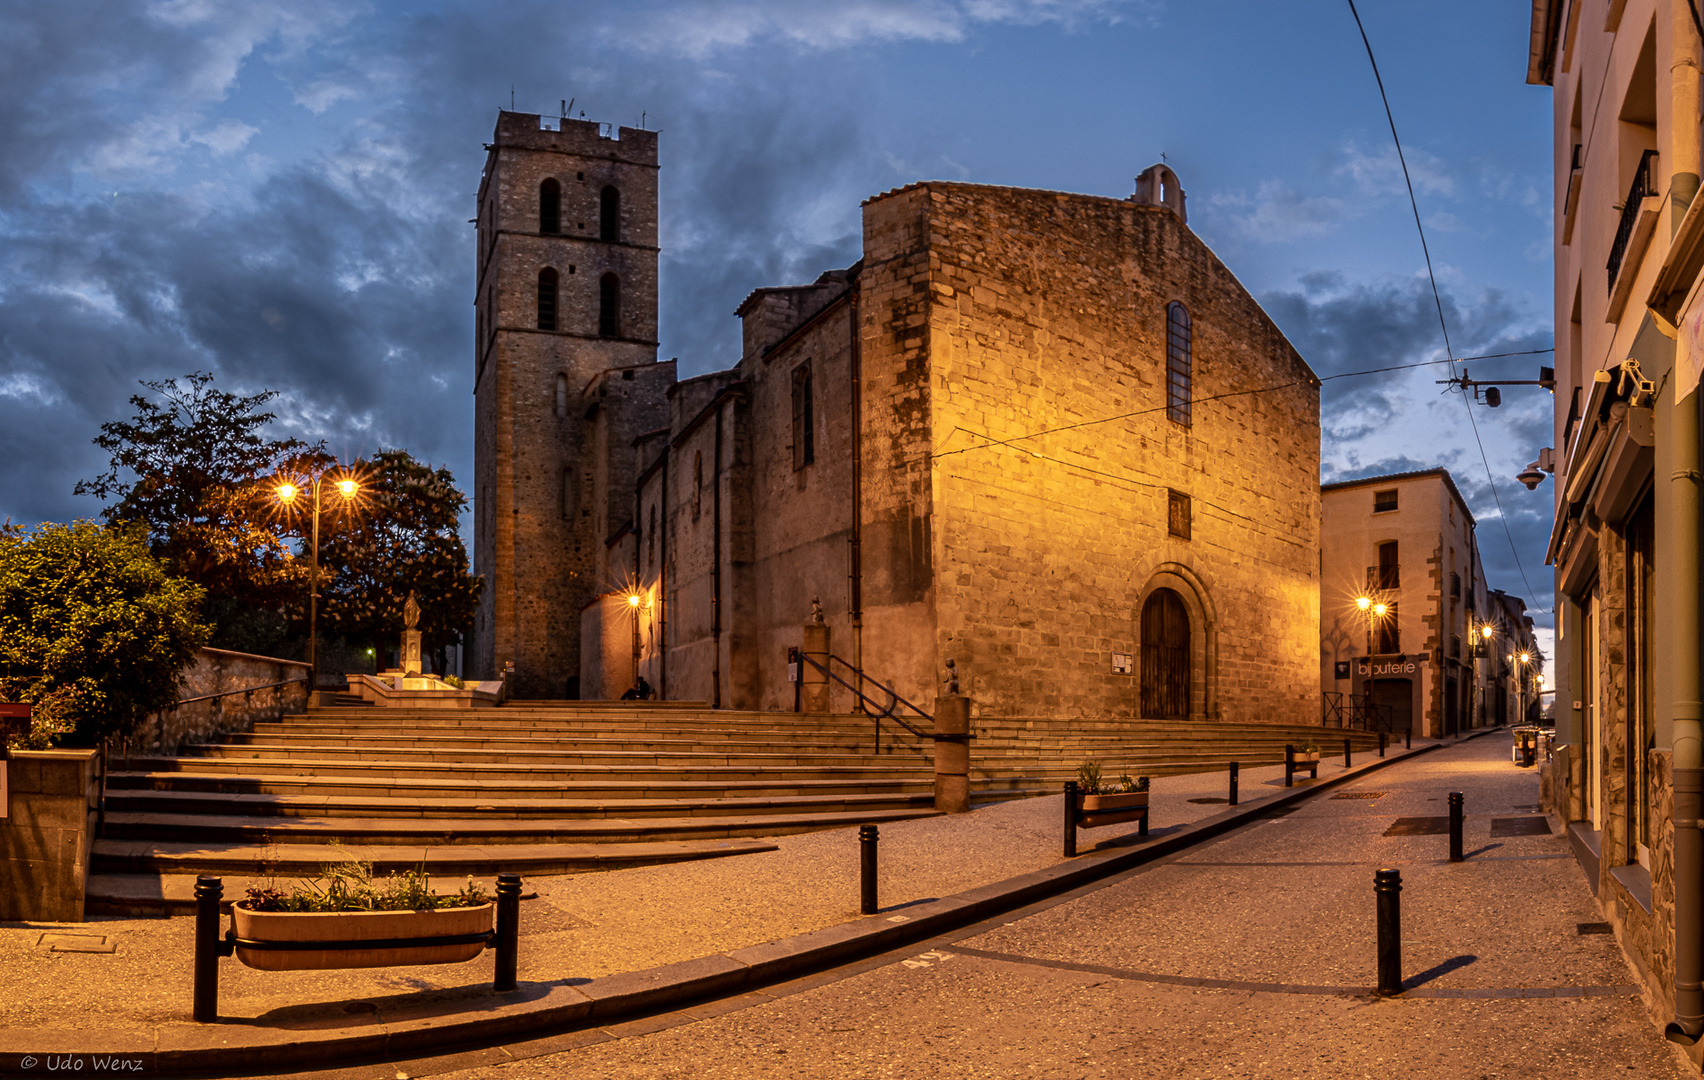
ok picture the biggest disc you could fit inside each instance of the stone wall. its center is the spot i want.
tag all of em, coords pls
(45, 837)
(216, 671)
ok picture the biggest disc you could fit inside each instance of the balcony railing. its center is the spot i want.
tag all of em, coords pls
(1636, 195)
(1388, 576)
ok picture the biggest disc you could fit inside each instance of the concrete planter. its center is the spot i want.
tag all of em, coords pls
(359, 926)
(1096, 810)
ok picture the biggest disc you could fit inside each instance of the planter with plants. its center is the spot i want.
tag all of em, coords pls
(360, 922)
(1297, 759)
(1109, 802)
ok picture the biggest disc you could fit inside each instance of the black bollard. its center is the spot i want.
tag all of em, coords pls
(208, 892)
(1455, 826)
(1070, 819)
(867, 838)
(1347, 762)
(1387, 886)
(1408, 738)
(508, 930)
(1381, 744)
(1233, 783)
(1289, 763)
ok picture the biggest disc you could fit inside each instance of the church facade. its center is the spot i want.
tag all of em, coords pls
(1046, 435)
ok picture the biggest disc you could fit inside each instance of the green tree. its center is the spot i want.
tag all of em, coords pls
(403, 535)
(194, 469)
(92, 628)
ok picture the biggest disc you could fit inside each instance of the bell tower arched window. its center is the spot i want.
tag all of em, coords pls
(609, 306)
(547, 299)
(550, 207)
(609, 215)
(561, 394)
(1179, 365)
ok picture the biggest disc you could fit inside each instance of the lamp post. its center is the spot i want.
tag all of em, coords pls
(633, 607)
(1520, 661)
(287, 494)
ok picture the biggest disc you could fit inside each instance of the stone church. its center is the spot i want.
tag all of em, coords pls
(1049, 436)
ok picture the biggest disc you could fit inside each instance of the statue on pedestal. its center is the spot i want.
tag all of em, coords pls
(410, 636)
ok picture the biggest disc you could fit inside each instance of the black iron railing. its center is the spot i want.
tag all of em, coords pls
(882, 712)
(1386, 576)
(1354, 712)
(1636, 195)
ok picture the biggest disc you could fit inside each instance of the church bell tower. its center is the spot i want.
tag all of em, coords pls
(567, 288)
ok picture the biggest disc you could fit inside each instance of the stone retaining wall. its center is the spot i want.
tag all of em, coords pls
(216, 671)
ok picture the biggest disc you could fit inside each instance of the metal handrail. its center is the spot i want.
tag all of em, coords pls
(244, 690)
(886, 711)
(1636, 195)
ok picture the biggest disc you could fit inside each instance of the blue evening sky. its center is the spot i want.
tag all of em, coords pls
(279, 192)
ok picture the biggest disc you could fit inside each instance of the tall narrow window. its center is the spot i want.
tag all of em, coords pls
(697, 483)
(651, 539)
(561, 394)
(1178, 363)
(1389, 575)
(1165, 657)
(1641, 711)
(609, 306)
(804, 422)
(550, 207)
(1387, 634)
(609, 215)
(547, 299)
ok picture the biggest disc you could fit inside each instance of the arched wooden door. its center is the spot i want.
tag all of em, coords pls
(1165, 657)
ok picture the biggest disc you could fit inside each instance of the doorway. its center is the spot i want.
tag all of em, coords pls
(1165, 657)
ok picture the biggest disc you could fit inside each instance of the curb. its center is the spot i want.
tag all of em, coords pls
(535, 1012)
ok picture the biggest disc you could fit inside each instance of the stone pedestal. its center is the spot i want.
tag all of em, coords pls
(411, 652)
(952, 754)
(46, 833)
(813, 696)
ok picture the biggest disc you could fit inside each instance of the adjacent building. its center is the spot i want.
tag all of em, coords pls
(1048, 436)
(1411, 637)
(1629, 247)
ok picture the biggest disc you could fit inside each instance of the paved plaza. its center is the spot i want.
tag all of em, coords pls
(1246, 956)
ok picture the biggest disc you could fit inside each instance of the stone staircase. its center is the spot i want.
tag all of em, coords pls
(574, 786)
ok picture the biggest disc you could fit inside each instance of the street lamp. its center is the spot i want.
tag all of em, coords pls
(287, 494)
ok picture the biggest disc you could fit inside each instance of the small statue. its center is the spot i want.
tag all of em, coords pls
(952, 676)
(410, 612)
(816, 612)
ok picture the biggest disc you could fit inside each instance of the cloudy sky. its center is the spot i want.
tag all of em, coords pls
(279, 192)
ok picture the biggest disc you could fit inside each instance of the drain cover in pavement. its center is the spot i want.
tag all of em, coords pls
(1419, 826)
(1360, 795)
(93, 943)
(1210, 799)
(1592, 928)
(1520, 826)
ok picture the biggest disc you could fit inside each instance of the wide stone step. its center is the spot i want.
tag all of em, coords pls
(730, 742)
(495, 790)
(446, 861)
(565, 758)
(206, 829)
(156, 804)
(358, 769)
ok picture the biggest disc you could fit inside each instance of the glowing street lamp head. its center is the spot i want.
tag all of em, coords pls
(1485, 631)
(1525, 659)
(632, 600)
(348, 488)
(287, 493)
(1364, 603)
(1381, 609)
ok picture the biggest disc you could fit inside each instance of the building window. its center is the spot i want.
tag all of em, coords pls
(550, 207)
(697, 483)
(1384, 500)
(1177, 514)
(609, 306)
(1455, 646)
(1641, 678)
(1455, 586)
(609, 215)
(1165, 657)
(1388, 573)
(561, 394)
(1386, 633)
(547, 299)
(1178, 363)
(804, 423)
